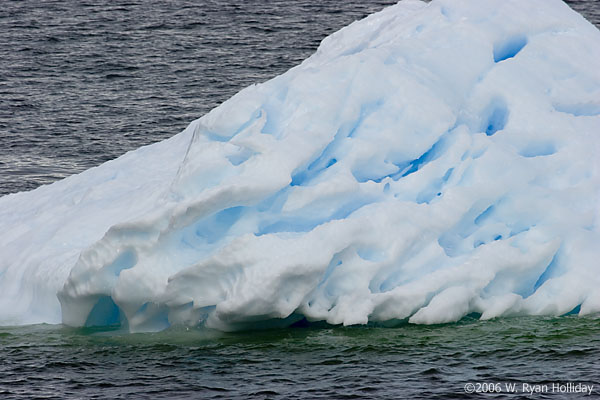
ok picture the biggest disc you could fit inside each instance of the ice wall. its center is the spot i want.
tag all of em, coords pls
(430, 161)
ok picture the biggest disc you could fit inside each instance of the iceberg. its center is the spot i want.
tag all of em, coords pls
(430, 161)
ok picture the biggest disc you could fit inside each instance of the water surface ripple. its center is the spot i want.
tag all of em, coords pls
(408, 361)
(84, 82)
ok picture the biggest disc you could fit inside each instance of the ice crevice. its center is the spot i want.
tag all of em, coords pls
(509, 47)
(431, 161)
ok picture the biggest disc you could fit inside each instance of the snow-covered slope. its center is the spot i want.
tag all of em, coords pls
(429, 161)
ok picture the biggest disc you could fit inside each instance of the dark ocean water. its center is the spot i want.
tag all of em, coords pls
(406, 362)
(84, 82)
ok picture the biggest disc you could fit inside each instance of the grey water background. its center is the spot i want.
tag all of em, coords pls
(405, 362)
(84, 82)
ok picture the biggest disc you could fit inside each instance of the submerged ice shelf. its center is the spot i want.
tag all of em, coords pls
(430, 161)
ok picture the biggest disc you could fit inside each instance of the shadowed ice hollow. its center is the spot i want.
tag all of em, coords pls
(430, 161)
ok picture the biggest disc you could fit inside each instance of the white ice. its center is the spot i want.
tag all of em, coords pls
(428, 162)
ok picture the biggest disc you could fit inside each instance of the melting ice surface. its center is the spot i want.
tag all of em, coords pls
(427, 162)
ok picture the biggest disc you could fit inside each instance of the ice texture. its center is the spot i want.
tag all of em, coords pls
(428, 162)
